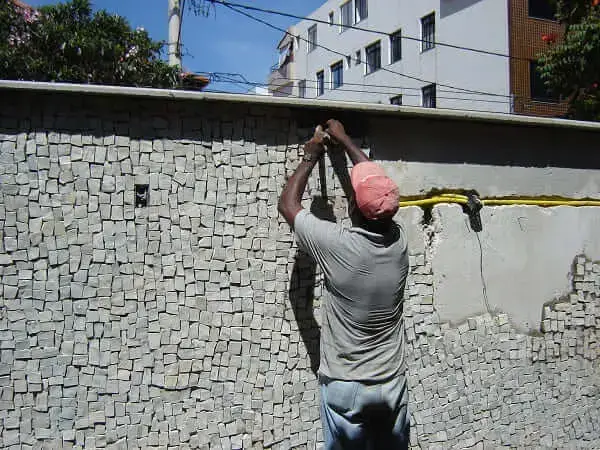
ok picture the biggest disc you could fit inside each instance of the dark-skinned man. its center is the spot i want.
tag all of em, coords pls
(362, 366)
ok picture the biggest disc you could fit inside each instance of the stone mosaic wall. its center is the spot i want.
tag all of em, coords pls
(189, 323)
(482, 384)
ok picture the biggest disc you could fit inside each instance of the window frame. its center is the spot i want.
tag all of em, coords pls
(426, 94)
(344, 27)
(320, 87)
(376, 44)
(312, 45)
(394, 100)
(339, 65)
(428, 30)
(357, 17)
(540, 17)
(533, 77)
(302, 88)
(396, 36)
(358, 57)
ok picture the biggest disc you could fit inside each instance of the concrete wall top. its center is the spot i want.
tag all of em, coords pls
(372, 109)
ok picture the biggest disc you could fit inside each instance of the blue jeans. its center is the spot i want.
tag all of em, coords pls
(365, 416)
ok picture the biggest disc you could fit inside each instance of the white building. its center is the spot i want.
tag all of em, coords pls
(426, 74)
(259, 90)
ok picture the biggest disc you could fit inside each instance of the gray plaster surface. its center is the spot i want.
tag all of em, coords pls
(527, 259)
(419, 178)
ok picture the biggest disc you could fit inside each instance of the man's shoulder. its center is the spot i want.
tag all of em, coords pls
(308, 218)
(308, 226)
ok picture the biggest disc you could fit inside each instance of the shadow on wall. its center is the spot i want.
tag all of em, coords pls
(456, 142)
(407, 138)
(390, 138)
(449, 7)
(303, 280)
(302, 290)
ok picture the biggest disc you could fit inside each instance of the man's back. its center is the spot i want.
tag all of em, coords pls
(364, 397)
(362, 334)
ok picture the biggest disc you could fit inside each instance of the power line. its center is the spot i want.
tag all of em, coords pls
(386, 86)
(368, 30)
(250, 16)
(217, 91)
(225, 78)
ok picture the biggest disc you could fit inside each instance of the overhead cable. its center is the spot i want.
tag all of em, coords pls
(385, 86)
(224, 79)
(217, 91)
(472, 91)
(368, 30)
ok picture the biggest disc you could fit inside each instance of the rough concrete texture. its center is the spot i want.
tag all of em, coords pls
(189, 323)
(483, 384)
(525, 255)
(419, 178)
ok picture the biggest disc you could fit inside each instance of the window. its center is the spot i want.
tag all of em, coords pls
(538, 89)
(361, 11)
(320, 83)
(396, 100)
(542, 9)
(312, 38)
(331, 18)
(346, 15)
(337, 74)
(302, 88)
(395, 47)
(357, 58)
(349, 61)
(428, 32)
(373, 55)
(428, 93)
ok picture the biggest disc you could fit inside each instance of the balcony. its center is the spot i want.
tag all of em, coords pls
(281, 76)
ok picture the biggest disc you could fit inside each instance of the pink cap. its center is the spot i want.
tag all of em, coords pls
(377, 196)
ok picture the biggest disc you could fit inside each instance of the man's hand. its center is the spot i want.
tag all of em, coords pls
(290, 202)
(316, 145)
(336, 130)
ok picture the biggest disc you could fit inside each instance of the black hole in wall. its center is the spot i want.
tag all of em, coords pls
(141, 195)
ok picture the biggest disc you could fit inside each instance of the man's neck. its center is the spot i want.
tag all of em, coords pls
(375, 226)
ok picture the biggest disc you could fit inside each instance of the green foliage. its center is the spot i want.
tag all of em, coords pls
(572, 68)
(68, 42)
(573, 11)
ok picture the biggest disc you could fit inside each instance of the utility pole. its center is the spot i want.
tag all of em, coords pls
(174, 33)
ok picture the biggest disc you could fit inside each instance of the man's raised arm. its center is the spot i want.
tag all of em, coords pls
(291, 196)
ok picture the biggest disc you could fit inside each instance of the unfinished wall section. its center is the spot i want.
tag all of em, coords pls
(192, 322)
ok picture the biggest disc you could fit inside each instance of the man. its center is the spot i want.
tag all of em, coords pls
(362, 368)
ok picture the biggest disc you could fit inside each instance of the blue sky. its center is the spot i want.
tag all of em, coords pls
(223, 42)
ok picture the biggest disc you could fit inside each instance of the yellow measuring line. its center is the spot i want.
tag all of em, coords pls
(463, 199)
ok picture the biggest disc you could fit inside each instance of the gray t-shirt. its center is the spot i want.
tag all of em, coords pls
(362, 331)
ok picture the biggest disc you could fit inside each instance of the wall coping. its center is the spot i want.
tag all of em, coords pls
(252, 99)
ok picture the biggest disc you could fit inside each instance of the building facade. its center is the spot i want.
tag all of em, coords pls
(419, 54)
(532, 30)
